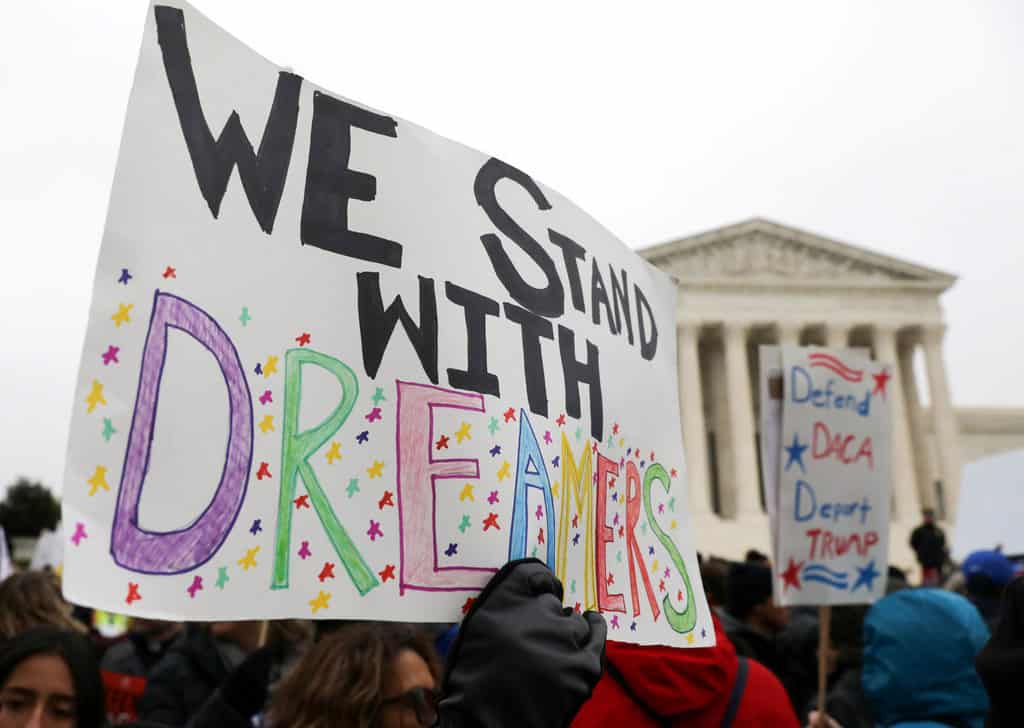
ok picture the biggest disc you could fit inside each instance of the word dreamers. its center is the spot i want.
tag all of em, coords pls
(844, 448)
(324, 223)
(803, 391)
(806, 506)
(584, 474)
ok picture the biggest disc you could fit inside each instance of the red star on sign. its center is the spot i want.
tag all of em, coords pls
(387, 573)
(327, 572)
(303, 338)
(661, 585)
(133, 593)
(263, 472)
(169, 272)
(491, 520)
(467, 605)
(622, 531)
(791, 576)
(576, 521)
(615, 429)
(385, 500)
(442, 443)
(561, 420)
(611, 579)
(510, 414)
(674, 473)
(301, 502)
(577, 608)
(880, 381)
(679, 595)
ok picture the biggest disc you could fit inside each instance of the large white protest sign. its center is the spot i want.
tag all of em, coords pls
(831, 526)
(338, 366)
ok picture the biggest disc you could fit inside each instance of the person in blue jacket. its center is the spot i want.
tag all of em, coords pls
(918, 669)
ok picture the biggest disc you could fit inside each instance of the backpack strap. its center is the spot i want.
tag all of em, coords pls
(738, 687)
(612, 670)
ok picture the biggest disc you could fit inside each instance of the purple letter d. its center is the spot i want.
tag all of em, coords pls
(176, 551)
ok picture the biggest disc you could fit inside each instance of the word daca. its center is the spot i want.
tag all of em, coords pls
(419, 472)
(330, 186)
(802, 390)
(825, 444)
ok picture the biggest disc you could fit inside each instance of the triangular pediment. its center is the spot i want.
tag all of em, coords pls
(761, 250)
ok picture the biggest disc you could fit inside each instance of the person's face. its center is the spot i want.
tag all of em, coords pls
(408, 694)
(38, 694)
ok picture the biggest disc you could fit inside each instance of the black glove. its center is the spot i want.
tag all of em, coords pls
(521, 659)
(246, 688)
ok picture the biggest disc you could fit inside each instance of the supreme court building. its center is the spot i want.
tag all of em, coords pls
(758, 282)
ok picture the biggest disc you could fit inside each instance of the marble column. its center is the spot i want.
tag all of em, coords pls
(904, 480)
(836, 336)
(746, 482)
(788, 333)
(691, 404)
(946, 427)
(915, 418)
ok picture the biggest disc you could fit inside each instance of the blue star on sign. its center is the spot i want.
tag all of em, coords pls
(795, 453)
(866, 576)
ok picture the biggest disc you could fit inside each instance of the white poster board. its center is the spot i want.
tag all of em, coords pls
(834, 478)
(340, 367)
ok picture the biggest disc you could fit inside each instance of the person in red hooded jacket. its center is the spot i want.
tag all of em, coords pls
(697, 687)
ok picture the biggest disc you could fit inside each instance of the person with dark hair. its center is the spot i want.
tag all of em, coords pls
(32, 599)
(49, 678)
(1001, 661)
(374, 673)
(986, 574)
(714, 574)
(753, 556)
(126, 665)
(756, 619)
(929, 544)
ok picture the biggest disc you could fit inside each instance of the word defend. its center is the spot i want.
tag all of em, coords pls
(831, 515)
(359, 367)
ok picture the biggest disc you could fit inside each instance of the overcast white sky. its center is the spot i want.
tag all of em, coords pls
(896, 126)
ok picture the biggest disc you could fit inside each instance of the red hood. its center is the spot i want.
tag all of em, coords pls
(677, 682)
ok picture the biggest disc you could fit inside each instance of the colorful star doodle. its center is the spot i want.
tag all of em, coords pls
(267, 397)
(376, 471)
(467, 605)
(110, 355)
(353, 487)
(79, 534)
(133, 593)
(256, 527)
(881, 379)
(363, 437)
(374, 531)
(866, 576)
(576, 540)
(791, 576)
(301, 502)
(95, 396)
(386, 500)
(463, 433)
(561, 420)
(125, 276)
(245, 318)
(264, 471)
(547, 437)
(464, 523)
(123, 315)
(267, 424)
(222, 577)
(495, 451)
(615, 621)
(327, 572)
(453, 548)
(467, 492)
(334, 453)
(98, 480)
(510, 415)
(373, 415)
(795, 454)
(322, 601)
(378, 397)
(505, 471)
(493, 497)
(387, 573)
(270, 367)
(615, 428)
(304, 552)
(197, 585)
(249, 560)
(170, 272)
(303, 338)
(689, 638)
(491, 520)
(108, 429)
(492, 426)
(442, 443)
(539, 512)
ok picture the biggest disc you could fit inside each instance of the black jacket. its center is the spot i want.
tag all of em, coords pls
(929, 543)
(178, 685)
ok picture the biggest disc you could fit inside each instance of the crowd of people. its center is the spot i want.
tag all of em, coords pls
(946, 655)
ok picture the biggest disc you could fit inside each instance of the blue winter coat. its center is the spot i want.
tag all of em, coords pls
(919, 649)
